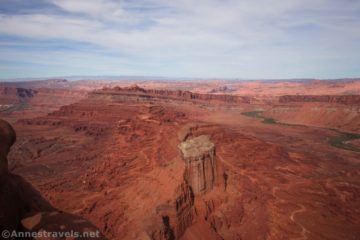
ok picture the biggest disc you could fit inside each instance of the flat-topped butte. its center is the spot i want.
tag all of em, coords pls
(195, 148)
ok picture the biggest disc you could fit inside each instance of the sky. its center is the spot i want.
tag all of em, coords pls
(245, 39)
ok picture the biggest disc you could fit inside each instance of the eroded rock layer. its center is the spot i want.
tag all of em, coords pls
(199, 156)
(140, 93)
(113, 158)
(340, 99)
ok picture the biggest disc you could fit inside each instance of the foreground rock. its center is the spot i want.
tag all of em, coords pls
(56, 223)
(7, 139)
(23, 208)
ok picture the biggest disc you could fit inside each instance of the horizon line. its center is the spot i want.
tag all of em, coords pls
(150, 77)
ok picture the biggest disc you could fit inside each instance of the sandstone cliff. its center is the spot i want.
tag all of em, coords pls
(175, 95)
(187, 205)
(177, 216)
(199, 157)
(341, 99)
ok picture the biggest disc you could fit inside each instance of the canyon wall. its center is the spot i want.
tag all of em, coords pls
(169, 94)
(9, 95)
(177, 216)
(341, 99)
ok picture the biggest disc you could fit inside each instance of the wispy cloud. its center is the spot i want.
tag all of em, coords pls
(213, 38)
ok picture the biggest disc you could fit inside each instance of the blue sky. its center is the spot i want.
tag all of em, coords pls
(184, 38)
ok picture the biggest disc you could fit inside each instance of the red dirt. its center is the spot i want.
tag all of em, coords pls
(113, 158)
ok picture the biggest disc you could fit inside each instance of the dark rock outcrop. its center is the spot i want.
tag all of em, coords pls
(23, 208)
(7, 139)
(60, 222)
(17, 93)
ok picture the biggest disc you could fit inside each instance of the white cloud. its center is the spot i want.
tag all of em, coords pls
(95, 8)
(219, 38)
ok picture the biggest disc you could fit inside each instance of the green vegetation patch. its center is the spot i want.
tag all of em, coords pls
(269, 121)
(338, 141)
(256, 114)
(15, 108)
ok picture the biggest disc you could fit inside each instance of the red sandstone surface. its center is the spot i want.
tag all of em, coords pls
(180, 160)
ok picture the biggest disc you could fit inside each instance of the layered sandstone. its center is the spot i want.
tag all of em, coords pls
(199, 178)
(116, 162)
(341, 99)
(177, 216)
(136, 91)
(199, 156)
